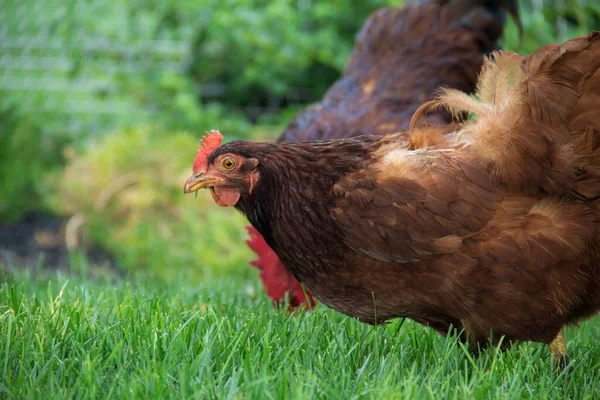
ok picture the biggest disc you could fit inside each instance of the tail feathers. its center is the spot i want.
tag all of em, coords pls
(278, 282)
(538, 118)
(561, 96)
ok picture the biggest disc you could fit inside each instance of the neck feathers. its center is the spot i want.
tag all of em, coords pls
(292, 198)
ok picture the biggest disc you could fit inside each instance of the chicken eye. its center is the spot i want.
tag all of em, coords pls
(228, 163)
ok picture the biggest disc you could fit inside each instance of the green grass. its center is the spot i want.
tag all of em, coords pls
(99, 339)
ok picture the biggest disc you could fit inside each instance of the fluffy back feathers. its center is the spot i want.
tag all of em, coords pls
(537, 118)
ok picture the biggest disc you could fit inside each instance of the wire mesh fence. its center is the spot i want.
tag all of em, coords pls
(73, 62)
(69, 59)
(85, 65)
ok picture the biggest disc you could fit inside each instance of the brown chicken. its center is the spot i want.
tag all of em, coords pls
(401, 59)
(491, 224)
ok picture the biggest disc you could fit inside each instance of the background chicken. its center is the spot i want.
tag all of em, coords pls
(401, 59)
(450, 225)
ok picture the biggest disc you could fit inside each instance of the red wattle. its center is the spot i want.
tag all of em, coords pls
(275, 277)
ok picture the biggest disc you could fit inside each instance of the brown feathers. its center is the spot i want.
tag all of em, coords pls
(490, 224)
(527, 110)
(498, 77)
(401, 59)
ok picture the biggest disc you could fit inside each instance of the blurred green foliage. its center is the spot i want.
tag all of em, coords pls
(26, 157)
(551, 21)
(127, 188)
(263, 50)
(115, 85)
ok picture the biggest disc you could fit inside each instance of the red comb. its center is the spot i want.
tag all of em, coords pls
(209, 143)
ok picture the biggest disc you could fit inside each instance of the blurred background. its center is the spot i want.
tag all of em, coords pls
(103, 103)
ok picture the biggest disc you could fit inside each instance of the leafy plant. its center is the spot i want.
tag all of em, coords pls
(267, 52)
(127, 188)
(551, 21)
(26, 156)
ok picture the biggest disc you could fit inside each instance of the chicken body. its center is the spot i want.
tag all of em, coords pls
(490, 225)
(401, 59)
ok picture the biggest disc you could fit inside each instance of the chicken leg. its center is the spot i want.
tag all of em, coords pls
(558, 349)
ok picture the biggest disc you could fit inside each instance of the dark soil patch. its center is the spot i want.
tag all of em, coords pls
(39, 239)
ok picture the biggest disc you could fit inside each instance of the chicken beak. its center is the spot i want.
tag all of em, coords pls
(197, 182)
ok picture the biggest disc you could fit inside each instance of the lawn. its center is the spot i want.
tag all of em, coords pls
(82, 86)
(107, 338)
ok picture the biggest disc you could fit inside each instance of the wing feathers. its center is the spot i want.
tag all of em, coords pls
(536, 132)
